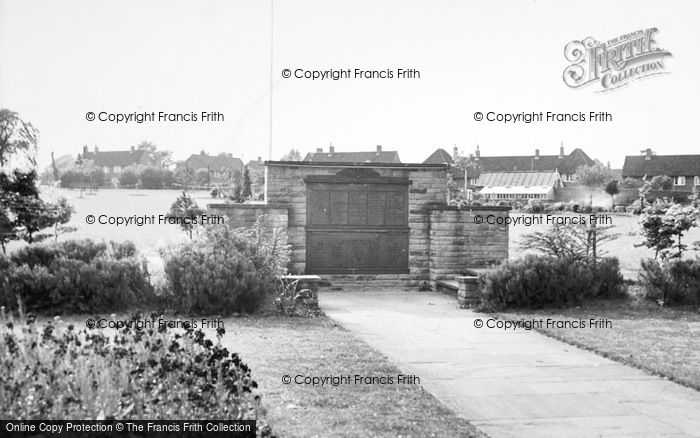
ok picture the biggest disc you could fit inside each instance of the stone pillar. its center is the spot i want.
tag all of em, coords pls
(468, 290)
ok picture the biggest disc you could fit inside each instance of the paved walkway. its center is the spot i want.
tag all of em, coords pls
(513, 384)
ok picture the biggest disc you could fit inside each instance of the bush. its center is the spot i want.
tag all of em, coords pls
(75, 276)
(636, 207)
(534, 206)
(153, 177)
(206, 278)
(226, 270)
(535, 282)
(129, 177)
(675, 282)
(76, 178)
(263, 244)
(66, 373)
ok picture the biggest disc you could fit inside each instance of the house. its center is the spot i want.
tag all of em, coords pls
(377, 156)
(519, 185)
(113, 163)
(562, 164)
(221, 168)
(256, 170)
(684, 169)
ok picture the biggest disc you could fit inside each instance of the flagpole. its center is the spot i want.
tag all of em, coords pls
(272, 41)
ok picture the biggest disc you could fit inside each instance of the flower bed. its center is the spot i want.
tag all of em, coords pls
(56, 372)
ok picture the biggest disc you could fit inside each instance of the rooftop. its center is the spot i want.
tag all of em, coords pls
(377, 156)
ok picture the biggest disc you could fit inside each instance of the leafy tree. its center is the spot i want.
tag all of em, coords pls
(201, 177)
(147, 146)
(22, 213)
(154, 177)
(612, 188)
(154, 157)
(468, 166)
(292, 155)
(185, 208)
(129, 176)
(661, 182)
(62, 211)
(596, 175)
(631, 183)
(17, 137)
(663, 224)
(247, 192)
(8, 227)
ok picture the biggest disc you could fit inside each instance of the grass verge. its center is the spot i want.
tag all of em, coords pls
(278, 346)
(662, 341)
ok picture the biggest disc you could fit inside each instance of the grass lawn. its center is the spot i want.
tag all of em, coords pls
(277, 346)
(663, 341)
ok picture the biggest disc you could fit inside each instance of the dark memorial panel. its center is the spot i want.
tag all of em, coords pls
(357, 213)
(395, 208)
(376, 204)
(339, 207)
(356, 252)
(357, 227)
(319, 208)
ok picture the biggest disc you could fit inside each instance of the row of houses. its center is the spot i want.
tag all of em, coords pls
(221, 167)
(533, 176)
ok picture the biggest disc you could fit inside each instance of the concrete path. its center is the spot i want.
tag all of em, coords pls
(513, 384)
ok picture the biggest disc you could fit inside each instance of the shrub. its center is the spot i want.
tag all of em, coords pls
(636, 207)
(535, 282)
(227, 269)
(673, 282)
(205, 278)
(661, 182)
(292, 300)
(265, 245)
(129, 177)
(577, 242)
(534, 206)
(56, 371)
(75, 276)
(153, 177)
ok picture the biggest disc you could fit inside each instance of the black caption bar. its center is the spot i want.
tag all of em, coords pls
(127, 428)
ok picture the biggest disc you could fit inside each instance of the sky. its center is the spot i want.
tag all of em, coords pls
(60, 60)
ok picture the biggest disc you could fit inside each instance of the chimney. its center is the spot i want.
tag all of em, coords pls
(133, 149)
(379, 149)
(561, 150)
(648, 153)
(455, 152)
(537, 154)
(85, 149)
(331, 149)
(319, 150)
(477, 154)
